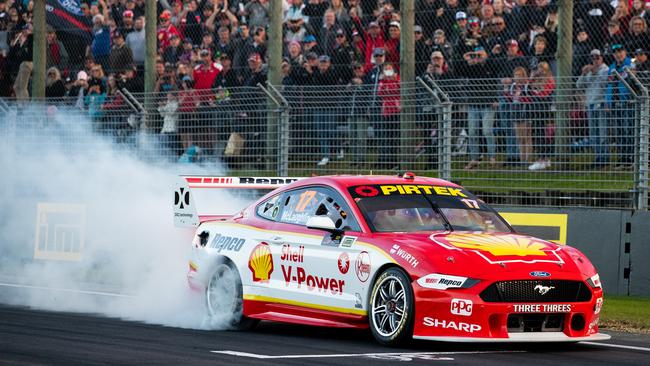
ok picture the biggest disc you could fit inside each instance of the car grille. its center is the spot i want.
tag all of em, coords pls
(531, 291)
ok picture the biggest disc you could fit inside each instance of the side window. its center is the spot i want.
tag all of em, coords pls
(300, 205)
(270, 208)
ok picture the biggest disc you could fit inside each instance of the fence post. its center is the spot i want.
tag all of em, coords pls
(643, 153)
(274, 138)
(444, 132)
(564, 55)
(283, 132)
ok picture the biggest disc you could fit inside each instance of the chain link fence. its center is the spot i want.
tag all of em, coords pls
(510, 140)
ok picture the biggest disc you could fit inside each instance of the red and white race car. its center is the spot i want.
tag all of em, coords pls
(408, 257)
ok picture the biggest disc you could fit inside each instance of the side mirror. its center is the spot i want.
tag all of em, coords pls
(321, 223)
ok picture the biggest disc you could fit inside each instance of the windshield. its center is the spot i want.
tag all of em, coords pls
(407, 208)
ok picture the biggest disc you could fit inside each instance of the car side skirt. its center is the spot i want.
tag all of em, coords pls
(520, 338)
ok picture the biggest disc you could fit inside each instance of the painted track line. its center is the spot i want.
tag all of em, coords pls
(99, 293)
(622, 346)
(373, 355)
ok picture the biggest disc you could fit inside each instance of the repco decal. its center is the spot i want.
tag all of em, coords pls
(260, 263)
(362, 266)
(222, 242)
(344, 263)
(251, 180)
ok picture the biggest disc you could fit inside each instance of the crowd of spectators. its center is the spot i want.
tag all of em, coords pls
(504, 51)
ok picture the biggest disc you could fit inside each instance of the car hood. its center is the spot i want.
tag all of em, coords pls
(485, 254)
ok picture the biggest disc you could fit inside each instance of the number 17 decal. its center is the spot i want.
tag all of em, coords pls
(470, 203)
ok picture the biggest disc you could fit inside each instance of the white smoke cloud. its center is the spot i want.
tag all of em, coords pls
(131, 246)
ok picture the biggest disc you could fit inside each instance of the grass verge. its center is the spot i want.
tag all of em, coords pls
(626, 314)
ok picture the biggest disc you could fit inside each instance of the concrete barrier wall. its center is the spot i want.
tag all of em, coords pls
(639, 249)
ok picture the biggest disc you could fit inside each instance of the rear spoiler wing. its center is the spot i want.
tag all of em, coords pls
(203, 198)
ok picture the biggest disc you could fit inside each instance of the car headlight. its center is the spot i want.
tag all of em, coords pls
(439, 281)
(594, 281)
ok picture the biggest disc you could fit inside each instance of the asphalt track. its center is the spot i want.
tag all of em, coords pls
(34, 337)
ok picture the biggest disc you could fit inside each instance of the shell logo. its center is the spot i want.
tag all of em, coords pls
(497, 248)
(260, 263)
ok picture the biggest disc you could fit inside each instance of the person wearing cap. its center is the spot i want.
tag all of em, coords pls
(127, 23)
(309, 44)
(422, 51)
(227, 78)
(593, 81)
(121, 54)
(392, 43)
(173, 52)
(324, 79)
(374, 38)
(641, 64)
(101, 43)
(614, 36)
(79, 89)
(617, 101)
(295, 30)
(55, 53)
(509, 59)
(440, 43)
(204, 74)
(258, 45)
(136, 42)
(342, 57)
(166, 29)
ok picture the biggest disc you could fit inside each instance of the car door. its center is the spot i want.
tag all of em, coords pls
(314, 268)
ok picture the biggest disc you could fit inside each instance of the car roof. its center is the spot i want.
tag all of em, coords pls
(345, 181)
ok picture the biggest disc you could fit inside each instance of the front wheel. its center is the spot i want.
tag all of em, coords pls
(224, 298)
(392, 308)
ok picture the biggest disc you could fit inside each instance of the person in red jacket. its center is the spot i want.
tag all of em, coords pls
(388, 131)
(392, 44)
(204, 75)
(373, 38)
(166, 30)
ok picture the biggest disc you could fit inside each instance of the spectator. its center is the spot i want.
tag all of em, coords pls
(540, 53)
(168, 109)
(121, 54)
(79, 90)
(135, 40)
(614, 36)
(441, 44)
(622, 15)
(295, 31)
(581, 48)
(189, 101)
(204, 74)
(506, 64)
(516, 116)
(166, 29)
(227, 78)
(640, 8)
(207, 43)
(595, 14)
(388, 131)
(638, 37)
(131, 80)
(254, 75)
(371, 81)
(373, 39)
(224, 45)
(593, 80)
(357, 117)
(258, 46)
(127, 26)
(341, 13)
(54, 87)
(479, 69)
(191, 18)
(174, 51)
(167, 82)
(56, 54)
(257, 12)
(460, 29)
(641, 64)
(342, 57)
(621, 113)
(97, 88)
(422, 51)
(311, 45)
(542, 87)
(21, 54)
(325, 116)
(327, 34)
(101, 44)
(392, 44)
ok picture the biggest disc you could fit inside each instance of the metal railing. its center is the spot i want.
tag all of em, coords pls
(497, 138)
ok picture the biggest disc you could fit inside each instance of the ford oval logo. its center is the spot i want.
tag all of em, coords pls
(540, 274)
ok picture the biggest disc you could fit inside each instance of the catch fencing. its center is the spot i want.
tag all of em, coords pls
(519, 142)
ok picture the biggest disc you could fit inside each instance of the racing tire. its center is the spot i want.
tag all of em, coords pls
(391, 310)
(224, 300)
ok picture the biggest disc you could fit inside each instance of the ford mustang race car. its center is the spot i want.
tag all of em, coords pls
(406, 256)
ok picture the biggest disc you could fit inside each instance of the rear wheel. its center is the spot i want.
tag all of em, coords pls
(392, 308)
(224, 298)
